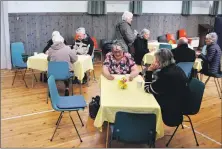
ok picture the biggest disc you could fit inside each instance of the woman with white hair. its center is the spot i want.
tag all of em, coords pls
(141, 45)
(60, 52)
(49, 43)
(169, 86)
(83, 43)
(125, 32)
(211, 60)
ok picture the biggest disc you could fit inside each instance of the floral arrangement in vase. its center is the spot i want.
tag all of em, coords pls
(122, 83)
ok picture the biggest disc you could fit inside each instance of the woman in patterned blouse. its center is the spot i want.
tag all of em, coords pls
(119, 62)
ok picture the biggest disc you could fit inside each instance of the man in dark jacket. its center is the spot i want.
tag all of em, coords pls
(213, 57)
(183, 53)
(125, 32)
(170, 87)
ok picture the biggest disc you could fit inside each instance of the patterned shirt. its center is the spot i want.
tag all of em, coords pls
(122, 67)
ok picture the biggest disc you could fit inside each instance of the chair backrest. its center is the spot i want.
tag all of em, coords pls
(95, 42)
(186, 67)
(182, 33)
(60, 70)
(162, 38)
(171, 38)
(17, 49)
(135, 127)
(165, 46)
(54, 95)
(196, 94)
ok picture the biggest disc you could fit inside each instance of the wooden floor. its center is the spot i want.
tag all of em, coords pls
(27, 121)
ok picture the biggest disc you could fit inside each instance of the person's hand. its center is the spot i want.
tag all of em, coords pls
(130, 78)
(154, 66)
(110, 77)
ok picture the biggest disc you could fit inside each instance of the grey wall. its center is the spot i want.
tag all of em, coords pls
(34, 29)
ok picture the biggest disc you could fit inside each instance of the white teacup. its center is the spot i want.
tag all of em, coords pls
(35, 53)
(139, 84)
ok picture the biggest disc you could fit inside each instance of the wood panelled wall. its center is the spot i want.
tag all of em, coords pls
(35, 29)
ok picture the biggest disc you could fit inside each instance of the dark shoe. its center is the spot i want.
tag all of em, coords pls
(75, 81)
(67, 92)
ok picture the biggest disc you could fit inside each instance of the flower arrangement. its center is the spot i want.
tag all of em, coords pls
(122, 83)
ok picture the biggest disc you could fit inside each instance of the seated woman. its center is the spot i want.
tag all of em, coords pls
(83, 44)
(60, 52)
(170, 85)
(141, 45)
(49, 43)
(119, 62)
(211, 61)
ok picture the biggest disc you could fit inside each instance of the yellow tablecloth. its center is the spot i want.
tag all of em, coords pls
(149, 59)
(132, 99)
(83, 64)
(152, 45)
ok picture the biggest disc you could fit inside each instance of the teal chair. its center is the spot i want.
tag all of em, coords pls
(191, 105)
(134, 128)
(17, 54)
(65, 104)
(165, 46)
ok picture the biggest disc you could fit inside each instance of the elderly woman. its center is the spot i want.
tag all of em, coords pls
(60, 52)
(83, 43)
(141, 45)
(125, 32)
(213, 55)
(49, 43)
(169, 86)
(119, 62)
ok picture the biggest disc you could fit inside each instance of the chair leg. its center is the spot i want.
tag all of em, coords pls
(60, 117)
(34, 75)
(94, 75)
(59, 120)
(75, 127)
(218, 86)
(201, 77)
(80, 118)
(172, 136)
(193, 130)
(207, 80)
(14, 77)
(72, 85)
(48, 95)
(24, 78)
(182, 126)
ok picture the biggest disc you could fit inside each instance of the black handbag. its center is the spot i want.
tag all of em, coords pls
(94, 107)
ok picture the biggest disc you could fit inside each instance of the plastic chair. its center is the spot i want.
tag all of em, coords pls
(171, 38)
(186, 67)
(65, 104)
(183, 33)
(165, 46)
(60, 71)
(192, 105)
(96, 48)
(162, 39)
(17, 50)
(134, 128)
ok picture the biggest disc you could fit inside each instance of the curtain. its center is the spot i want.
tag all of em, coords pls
(136, 7)
(186, 8)
(5, 40)
(214, 8)
(97, 7)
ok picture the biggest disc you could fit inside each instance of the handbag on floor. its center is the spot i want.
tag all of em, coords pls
(94, 107)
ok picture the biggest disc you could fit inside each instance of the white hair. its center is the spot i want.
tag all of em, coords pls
(212, 36)
(127, 15)
(183, 40)
(165, 57)
(144, 31)
(81, 30)
(55, 33)
(57, 39)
